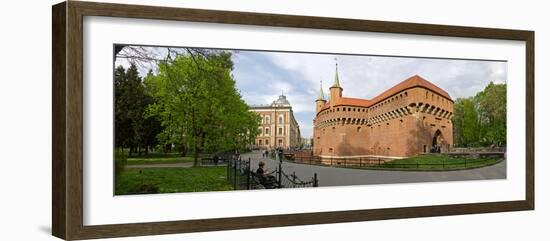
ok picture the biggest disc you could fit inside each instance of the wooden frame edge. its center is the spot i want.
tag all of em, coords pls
(219, 224)
(67, 81)
(59, 181)
(530, 119)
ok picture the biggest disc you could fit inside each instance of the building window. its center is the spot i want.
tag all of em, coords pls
(280, 142)
(260, 130)
(266, 142)
(330, 150)
(260, 142)
(333, 129)
(280, 130)
(280, 119)
(358, 128)
(267, 119)
(267, 131)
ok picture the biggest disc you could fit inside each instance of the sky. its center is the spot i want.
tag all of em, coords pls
(262, 76)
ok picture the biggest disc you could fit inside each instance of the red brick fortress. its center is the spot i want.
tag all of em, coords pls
(410, 118)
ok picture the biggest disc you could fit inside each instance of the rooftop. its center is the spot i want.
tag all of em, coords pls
(414, 81)
(280, 102)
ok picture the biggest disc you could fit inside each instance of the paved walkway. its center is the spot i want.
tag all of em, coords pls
(335, 176)
(168, 165)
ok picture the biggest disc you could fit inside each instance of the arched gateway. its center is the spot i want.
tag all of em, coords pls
(437, 142)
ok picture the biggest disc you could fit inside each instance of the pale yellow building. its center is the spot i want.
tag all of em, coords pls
(278, 127)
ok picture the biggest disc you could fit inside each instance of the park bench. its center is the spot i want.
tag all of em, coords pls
(205, 161)
(289, 156)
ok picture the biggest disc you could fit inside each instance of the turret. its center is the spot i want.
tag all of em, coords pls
(320, 102)
(335, 89)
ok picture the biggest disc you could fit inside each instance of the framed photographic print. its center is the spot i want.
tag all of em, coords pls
(210, 120)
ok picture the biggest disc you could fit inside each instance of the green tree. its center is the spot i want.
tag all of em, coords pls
(199, 106)
(492, 110)
(123, 124)
(133, 129)
(481, 120)
(466, 122)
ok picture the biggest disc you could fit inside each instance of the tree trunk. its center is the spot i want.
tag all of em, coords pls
(183, 150)
(195, 153)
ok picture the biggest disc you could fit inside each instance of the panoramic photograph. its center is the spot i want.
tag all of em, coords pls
(190, 119)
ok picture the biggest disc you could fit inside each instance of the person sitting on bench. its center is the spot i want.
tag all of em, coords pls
(267, 180)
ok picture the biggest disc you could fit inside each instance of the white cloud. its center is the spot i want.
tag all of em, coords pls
(368, 76)
(262, 76)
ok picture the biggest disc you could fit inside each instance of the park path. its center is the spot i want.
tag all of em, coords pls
(165, 165)
(336, 176)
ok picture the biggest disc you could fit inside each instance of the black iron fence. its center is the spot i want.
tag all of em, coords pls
(239, 174)
(341, 162)
(467, 160)
(443, 165)
(293, 181)
(242, 177)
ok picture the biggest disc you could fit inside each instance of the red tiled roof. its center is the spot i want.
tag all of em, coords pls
(414, 81)
(354, 101)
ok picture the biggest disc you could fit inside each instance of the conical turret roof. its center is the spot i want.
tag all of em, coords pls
(321, 94)
(336, 83)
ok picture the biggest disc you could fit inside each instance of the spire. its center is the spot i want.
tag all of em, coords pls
(321, 94)
(336, 79)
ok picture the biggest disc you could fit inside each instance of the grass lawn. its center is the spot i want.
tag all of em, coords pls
(159, 158)
(438, 161)
(171, 180)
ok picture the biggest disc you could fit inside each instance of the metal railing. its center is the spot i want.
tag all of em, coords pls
(372, 162)
(240, 175)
